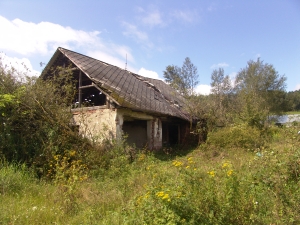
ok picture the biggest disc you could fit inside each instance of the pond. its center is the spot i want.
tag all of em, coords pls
(287, 118)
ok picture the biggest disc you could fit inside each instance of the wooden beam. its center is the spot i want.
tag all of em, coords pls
(87, 86)
(72, 69)
(80, 92)
(104, 92)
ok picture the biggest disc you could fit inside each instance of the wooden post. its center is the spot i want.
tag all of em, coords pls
(80, 91)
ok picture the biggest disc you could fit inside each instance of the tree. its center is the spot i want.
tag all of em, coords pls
(293, 101)
(190, 76)
(221, 89)
(258, 87)
(220, 84)
(183, 79)
(172, 76)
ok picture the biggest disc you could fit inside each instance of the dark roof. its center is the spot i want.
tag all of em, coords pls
(127, 89)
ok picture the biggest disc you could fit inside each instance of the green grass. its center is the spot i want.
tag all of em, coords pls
(208, 185)
(292, 112)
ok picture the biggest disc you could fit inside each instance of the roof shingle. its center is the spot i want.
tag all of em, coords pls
(128, 89)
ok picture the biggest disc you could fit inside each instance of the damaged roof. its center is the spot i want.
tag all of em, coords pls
(127, 89)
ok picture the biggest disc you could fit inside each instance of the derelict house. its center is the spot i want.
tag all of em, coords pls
(112, 101)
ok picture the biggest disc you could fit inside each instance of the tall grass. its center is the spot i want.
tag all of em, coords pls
(214, 184)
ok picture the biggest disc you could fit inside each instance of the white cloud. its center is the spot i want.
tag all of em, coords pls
(153, 18)
(122, 51)
(35, 39)
(140, 37)
(107, 58)
(132, 31)
(187, 16)
(148, 73)
(29, 38)
(219, 65)
(297, 87)
(22, 66)
(203, 89)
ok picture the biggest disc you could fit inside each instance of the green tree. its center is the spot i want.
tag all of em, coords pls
(293, 101)
(258, 87)
(183, 79)
(221, 91)
(189, 73)
(172, 76)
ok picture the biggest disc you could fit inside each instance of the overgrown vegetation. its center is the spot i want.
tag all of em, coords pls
(236, 183)
(247, 172)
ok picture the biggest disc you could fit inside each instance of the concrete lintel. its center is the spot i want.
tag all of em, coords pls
(135, 115)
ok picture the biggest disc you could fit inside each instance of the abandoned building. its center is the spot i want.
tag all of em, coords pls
(111, 102)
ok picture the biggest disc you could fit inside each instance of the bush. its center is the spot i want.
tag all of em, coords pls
(239, 136)
(35, 118)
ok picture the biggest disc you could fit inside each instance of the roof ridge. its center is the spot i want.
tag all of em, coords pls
(136, 74)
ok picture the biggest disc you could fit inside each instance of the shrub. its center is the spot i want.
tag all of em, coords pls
(239, 136)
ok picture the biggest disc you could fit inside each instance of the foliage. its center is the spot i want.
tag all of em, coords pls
(259, 88)
(239, 136)
(14, 178)
(236, 186)
(183, 79)
(221, 98)
(36, 119)
(292, 101)
(83, 182)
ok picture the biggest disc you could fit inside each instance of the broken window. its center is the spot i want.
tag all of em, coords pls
(91, 97)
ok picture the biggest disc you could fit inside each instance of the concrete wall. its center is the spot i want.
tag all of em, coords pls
(100, 123)
(154, 133)
(96, 123)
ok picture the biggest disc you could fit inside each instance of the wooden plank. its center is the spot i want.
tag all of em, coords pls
(86, 86)
(80, 92)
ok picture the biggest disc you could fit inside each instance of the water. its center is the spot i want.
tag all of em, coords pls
(288, 118)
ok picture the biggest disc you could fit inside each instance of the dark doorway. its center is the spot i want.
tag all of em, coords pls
(173, 134)
(136, 131)
(170, 134)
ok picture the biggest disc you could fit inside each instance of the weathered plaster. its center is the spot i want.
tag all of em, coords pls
(99, 123)
(154, 133)
(96, 124)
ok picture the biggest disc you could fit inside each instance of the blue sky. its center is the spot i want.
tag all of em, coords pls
(155, 34)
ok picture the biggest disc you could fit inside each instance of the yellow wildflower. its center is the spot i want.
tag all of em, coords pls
(225, 165)
(177, 163)
(166, 196)
(160, 194)
(229, 172)
(211, 173)
(141, 157)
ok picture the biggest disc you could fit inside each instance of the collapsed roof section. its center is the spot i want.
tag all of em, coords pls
(125, 88)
